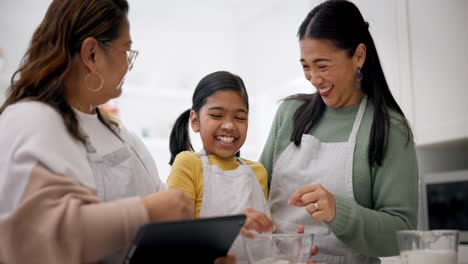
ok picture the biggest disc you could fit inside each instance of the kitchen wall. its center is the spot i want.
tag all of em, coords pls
(181, 41)
(3, 87)
(241, 38)
(421, 44)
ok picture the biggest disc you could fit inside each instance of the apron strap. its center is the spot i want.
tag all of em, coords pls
(88, 145)
(205, 160)
(204, 157)
(357, 121)
(112, 127)
(91, 149)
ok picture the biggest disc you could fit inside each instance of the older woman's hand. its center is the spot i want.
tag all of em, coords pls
(317, 200)
(169, 205)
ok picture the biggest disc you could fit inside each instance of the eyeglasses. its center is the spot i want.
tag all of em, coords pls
(131, 57)
(131, 54)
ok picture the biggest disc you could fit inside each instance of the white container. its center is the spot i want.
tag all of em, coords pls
(428, 256)
(428, 247)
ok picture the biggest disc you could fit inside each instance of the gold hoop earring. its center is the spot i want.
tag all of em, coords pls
(100, 78)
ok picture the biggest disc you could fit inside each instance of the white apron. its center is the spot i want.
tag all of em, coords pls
(230, 192)
(119, 174)
(315, 162)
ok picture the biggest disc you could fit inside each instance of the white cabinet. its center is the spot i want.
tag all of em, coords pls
(438, 37)
(422, 45)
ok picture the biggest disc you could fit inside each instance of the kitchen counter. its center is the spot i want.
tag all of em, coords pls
(391, 260)
(462, 257)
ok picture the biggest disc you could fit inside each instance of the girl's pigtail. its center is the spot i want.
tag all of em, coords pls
(180, 140)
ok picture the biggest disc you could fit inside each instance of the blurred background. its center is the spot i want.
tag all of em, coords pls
(422, 46)
(421, 43)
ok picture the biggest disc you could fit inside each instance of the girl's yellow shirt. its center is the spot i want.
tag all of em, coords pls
(187, 174)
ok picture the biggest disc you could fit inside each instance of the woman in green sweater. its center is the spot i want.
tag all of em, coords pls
(342, 161)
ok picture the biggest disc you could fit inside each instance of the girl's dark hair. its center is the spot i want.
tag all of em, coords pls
(58, 38)
(214, 82)
(341, 22)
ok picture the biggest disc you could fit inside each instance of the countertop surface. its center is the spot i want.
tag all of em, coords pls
(462, 257)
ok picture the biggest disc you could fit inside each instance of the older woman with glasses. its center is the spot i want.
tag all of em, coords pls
(75, 185)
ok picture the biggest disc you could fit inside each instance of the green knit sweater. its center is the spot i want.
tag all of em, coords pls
(385, 197)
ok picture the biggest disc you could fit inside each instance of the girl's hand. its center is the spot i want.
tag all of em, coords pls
(317, 200)
(257, 221)
(229, 259)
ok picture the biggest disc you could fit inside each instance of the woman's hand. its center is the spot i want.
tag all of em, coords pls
(257, 221)
(229, 259)
(313, 249)
(169, 205)
(317, 200)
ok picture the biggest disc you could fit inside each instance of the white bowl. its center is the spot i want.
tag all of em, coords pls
(278, 248)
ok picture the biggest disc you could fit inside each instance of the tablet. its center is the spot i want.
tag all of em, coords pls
(190, 241)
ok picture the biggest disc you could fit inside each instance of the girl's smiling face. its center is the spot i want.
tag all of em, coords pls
(222, 123)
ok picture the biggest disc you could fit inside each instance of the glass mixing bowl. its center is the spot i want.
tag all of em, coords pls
(278, 248)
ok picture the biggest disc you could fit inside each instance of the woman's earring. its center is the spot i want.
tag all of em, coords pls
(101, 80)
(358, 75)
(357, 78)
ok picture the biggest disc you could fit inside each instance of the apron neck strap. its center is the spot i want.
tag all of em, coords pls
(112, 127)
(357, 121)
(88, 145)
(204, 157)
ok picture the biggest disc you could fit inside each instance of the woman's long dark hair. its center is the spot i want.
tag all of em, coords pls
(214, 82)
(341, 22)
(58, 38)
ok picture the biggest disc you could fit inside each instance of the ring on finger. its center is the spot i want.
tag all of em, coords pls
(316, 206)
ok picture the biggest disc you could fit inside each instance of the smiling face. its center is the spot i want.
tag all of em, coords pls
(332, 71)
(222, 123)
